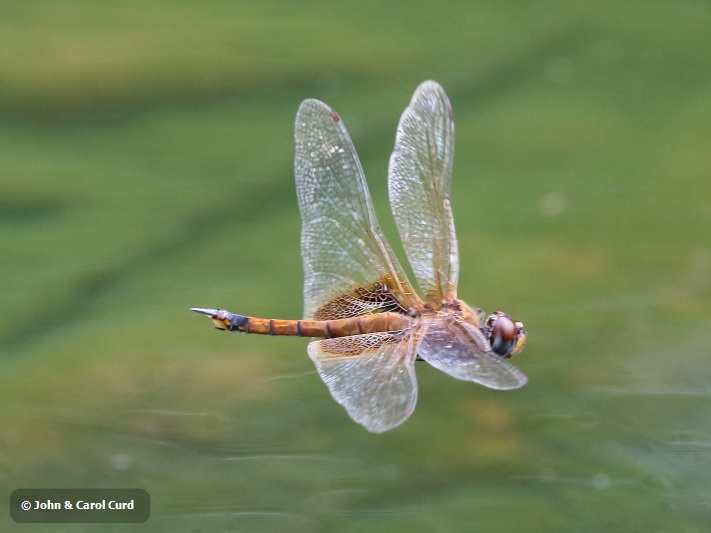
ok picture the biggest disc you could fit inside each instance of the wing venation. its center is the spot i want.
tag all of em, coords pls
(461, 350)
(419, 179)
(372, 376)
(342, 245)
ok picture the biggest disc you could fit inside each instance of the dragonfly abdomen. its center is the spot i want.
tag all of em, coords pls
(342, 327)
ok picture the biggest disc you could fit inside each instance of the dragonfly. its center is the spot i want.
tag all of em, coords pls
(368, 323)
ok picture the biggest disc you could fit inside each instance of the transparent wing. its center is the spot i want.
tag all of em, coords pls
(344, 251)
(420, 173)
(372, 376)
(460, 350)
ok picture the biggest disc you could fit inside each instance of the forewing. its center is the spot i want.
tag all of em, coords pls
(372, 376)
(342, 245)
(461, 350)
(420, 173)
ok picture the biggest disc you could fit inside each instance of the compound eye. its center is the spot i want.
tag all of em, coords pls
(501, 333)
(505, 335)
(505, 328)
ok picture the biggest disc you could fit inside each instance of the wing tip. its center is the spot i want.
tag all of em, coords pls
(432, 92)
(519, 381)
(430, 85)
(312, 104)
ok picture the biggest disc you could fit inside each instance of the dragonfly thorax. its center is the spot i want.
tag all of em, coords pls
(460, 310)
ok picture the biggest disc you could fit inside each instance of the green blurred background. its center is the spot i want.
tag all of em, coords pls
(146, 153)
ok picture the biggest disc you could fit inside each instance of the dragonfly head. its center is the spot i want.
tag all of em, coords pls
(505, 335)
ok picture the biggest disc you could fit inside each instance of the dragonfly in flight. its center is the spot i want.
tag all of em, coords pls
(368, 323)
